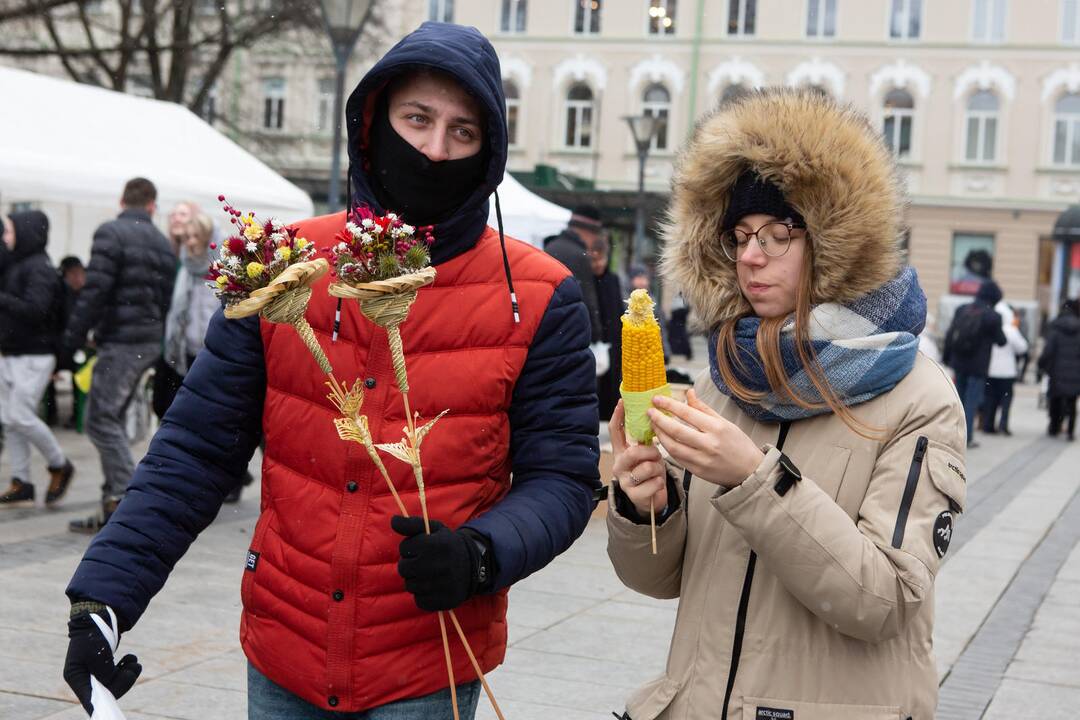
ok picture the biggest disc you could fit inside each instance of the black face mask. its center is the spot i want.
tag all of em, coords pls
(406, 182)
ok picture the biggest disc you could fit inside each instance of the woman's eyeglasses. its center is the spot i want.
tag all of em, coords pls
(774, 238)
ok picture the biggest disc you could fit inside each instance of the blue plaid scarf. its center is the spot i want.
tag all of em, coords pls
(864, 349)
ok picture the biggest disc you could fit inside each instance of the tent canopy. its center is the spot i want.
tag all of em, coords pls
(69, 148)
(527, 216)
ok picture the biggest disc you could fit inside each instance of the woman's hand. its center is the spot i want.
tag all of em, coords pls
(704, 443)
(638, 468)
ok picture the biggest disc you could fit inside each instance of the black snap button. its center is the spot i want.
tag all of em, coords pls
(338, 595)
(351, 486)
(370, 383)
(332, 701)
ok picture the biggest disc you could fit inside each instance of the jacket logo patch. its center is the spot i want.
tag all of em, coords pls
(767, 713)
(942, 533)
(958, 471)
(252, 561)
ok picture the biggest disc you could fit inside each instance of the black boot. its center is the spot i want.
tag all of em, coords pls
(59, 479)
(91, 525)
(17, 492)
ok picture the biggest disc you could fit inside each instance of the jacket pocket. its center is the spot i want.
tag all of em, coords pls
(947, 473)
(773, 709)
(251, 564)
(653, 698)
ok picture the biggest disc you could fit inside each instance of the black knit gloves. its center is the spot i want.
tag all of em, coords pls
(444, 569)
(90, 653)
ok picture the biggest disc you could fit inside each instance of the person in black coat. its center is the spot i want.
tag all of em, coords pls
(571, 248)
(610, 300)
(29, 312)
(129, 283)
(1060, 360)
(975, 328)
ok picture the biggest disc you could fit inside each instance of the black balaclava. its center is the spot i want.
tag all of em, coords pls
(407, 182)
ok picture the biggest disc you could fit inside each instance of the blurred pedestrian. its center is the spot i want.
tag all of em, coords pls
(571, 248)
(609, 298)
(179, 220)
(975, 328)
(73, 277)
(1002, 373)
(1060, 360)
(678, 335)
(30, 306)
(806, 497)
(125, 300)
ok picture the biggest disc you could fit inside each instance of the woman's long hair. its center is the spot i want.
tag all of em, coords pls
(728, 356)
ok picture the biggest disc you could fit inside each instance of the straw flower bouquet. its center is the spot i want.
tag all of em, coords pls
(266, 270)
(381, 262)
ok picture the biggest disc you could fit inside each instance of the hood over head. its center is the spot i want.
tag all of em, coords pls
(989, 293)
(832, 168)
(465, 54)
(31, 233)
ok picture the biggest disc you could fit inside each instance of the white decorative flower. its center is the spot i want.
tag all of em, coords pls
(277, 238)
(408, 229)
(232, 261)
(251, 247)
(342, 247)
(366, 238)
(367, 222)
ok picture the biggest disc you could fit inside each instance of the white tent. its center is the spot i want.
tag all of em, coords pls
(68, 149)
(527, 216)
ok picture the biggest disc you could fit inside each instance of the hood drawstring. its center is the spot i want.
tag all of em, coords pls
(348, 211)
(506, 261)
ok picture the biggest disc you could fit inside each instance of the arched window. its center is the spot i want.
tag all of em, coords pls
(899, 117)
(579, 116)
(1067, 130)
(657, 103)
(980, 142)
(733, 92)
(513, 110)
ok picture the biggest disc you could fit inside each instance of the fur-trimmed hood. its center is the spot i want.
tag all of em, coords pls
(832, 167)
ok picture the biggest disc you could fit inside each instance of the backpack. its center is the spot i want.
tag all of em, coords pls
(965, 333)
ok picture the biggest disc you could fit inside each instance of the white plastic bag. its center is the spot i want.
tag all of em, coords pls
(105, 706)
(601, 351)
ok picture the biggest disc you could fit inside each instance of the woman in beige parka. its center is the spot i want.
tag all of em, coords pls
(820, 458)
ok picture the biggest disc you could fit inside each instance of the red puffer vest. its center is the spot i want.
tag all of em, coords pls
(326, 614)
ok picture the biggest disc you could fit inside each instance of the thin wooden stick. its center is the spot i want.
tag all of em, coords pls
(476, 665)
(449, 664)
(652, 522)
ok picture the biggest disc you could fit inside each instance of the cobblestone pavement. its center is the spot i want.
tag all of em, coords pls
(1008, 614)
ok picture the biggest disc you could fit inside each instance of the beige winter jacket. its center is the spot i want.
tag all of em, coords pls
(812, 601)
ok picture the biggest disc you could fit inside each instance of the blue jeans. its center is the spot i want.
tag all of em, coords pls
(269, 701)
(971, 389)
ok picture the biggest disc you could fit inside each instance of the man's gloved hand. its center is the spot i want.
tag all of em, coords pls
(90, 653)
(444, 569)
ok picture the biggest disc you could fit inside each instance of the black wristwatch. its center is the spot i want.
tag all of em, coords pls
(788, 477)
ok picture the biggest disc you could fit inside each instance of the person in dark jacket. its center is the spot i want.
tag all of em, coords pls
(1060, 359)
(976, 327)
(29, 309)
(128, 286)
(337, 591)
(571, 248)
(610, 300)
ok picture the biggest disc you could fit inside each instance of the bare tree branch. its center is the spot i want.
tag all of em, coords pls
(95, 53)
(32, 9)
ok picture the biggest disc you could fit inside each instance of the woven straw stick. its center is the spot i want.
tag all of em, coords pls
(476, 665)
(449, 664)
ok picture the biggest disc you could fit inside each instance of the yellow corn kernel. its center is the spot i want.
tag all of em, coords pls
(642, 349)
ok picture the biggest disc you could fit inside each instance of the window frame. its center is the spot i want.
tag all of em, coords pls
(667, 7)
(324, 100)
(906, 25)
(581, 106)
(517, 8)
(741, 31)
(441, 11)
(662, 109)
(268, 112)
(586, 19)
(899, 115)
(1065, 40)
(515, 103)
(981, 118)
(992, 7)
(1072, 135)
(821, 20)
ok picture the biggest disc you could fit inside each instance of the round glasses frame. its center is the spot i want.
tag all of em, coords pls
(774, 243)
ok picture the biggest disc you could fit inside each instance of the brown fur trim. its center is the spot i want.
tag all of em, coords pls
(831, 165)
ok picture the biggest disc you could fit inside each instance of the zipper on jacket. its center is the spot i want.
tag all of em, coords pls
(909, 491)
(744, 603)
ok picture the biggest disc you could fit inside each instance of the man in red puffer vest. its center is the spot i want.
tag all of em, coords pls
(338, 593)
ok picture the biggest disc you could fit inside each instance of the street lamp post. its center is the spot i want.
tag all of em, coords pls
(344, 21)
(644, 128)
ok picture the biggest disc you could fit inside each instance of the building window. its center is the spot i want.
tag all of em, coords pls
(982, 121)
(1067, 130)
(742, 17)
(441, 10)
(899, 116)
(989, 21)
(579, 116)
(662, 17)
(513, 111)
(273, 103)
(733, 92)
(657, 103)
(972, 262)
(587, 16)
(905, 20)
(1070, 22)
(821, 18)
(324, 106)
(204, 7)
(513, 16)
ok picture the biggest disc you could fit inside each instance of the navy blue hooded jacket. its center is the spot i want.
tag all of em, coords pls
(212, 428)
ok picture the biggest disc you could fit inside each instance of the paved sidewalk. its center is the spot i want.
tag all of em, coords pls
(1008, 615)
